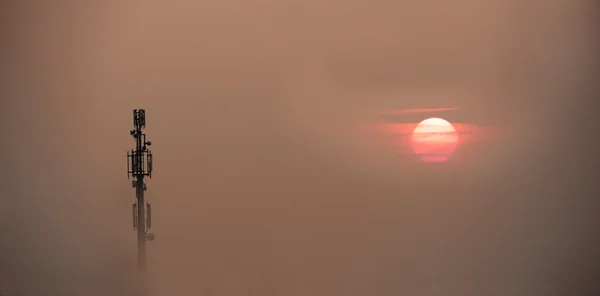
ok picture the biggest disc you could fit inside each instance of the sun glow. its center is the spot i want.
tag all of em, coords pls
(434, 140)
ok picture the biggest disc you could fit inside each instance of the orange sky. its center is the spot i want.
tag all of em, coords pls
(257, 188)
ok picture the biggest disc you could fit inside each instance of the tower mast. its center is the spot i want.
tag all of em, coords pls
(139, 165)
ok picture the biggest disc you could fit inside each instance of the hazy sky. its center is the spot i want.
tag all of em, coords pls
(260, 186)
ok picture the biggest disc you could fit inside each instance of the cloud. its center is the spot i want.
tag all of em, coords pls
(418, 110)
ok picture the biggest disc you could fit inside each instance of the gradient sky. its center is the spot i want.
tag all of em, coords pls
(261, 184)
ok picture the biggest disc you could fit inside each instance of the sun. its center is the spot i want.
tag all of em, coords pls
(434, 140)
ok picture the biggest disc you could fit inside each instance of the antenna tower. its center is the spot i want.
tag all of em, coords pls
(139, 165)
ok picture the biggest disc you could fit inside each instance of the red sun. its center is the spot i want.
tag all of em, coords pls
(434, 140)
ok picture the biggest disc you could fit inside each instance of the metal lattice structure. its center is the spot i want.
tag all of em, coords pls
(139, 165)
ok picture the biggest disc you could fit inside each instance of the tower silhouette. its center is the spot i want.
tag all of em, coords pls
(139, 165)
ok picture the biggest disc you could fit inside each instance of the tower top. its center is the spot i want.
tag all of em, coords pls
(140, 158)
(139, 118)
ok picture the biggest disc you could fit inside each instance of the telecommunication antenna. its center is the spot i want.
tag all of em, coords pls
(139, 165)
